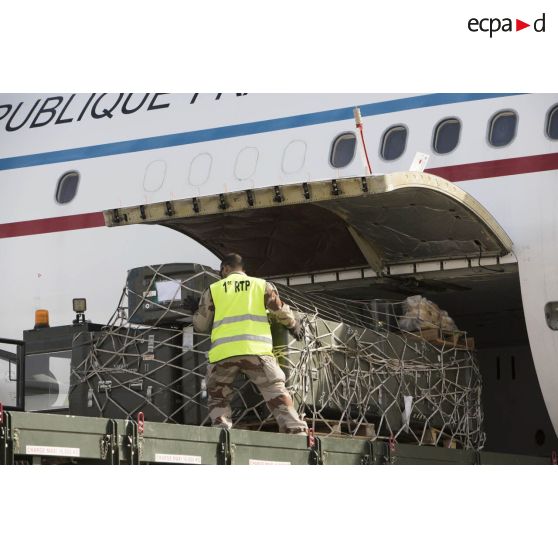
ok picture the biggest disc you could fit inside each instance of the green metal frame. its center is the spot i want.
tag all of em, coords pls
(72, 439)
(181, 444)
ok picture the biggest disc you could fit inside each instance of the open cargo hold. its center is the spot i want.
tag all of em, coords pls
(351, 375)
(387, 237)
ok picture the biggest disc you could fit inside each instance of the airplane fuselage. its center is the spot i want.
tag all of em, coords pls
(125, 150)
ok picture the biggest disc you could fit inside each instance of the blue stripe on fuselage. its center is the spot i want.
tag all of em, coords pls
(237, 130)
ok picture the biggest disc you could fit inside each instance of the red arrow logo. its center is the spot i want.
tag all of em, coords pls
(519, 25)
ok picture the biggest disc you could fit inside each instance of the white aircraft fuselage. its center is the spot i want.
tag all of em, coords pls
(134, 149)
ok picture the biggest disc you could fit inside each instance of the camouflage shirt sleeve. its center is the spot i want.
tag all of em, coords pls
(203, 318)
(278, 309)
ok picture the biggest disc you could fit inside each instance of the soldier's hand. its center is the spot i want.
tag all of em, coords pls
(297, 331)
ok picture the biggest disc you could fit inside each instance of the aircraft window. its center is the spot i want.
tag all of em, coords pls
(294, 156)
(446, 135)
(246, 162)
(200, 169)
(342, 150)
(502, 128)
(67, 187)
(552, 123)
(154, 176)
(394, 142)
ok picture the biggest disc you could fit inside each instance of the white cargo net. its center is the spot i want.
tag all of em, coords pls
(356, 373)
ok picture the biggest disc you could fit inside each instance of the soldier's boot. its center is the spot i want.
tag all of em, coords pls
(284, 412)
(271, 384)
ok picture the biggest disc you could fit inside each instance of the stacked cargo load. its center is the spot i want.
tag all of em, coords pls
(361, 373)
(364, 368)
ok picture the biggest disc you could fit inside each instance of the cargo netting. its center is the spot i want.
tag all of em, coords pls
(361, 370)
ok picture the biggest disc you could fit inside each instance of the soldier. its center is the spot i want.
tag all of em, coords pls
(234, 310)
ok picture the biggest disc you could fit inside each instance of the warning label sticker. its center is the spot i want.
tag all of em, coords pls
(178, 458)
(52, 450)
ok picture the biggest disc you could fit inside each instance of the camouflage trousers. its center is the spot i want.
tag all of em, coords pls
(266, 374)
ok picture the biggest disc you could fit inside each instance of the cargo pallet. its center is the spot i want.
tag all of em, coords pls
(443, 338)
(37, 438)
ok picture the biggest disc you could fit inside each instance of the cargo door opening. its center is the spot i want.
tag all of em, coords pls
(386, 237)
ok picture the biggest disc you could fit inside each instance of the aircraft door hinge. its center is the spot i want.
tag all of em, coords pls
(364, 184)
(223, 202)
(277, 195)
(250, 197)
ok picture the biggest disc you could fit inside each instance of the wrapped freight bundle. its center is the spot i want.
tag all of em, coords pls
(356, 372)
(357, 380)
(421, 313)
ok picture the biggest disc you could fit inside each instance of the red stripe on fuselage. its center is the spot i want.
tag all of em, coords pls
(52, 224)
(454, 173)
(500, 167)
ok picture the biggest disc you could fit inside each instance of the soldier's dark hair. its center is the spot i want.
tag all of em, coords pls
(234, 261)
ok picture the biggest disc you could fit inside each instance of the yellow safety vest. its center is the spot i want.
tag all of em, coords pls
(240, 325)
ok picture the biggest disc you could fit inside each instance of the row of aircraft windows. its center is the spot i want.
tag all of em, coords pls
(501, 131)
(502, 128)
